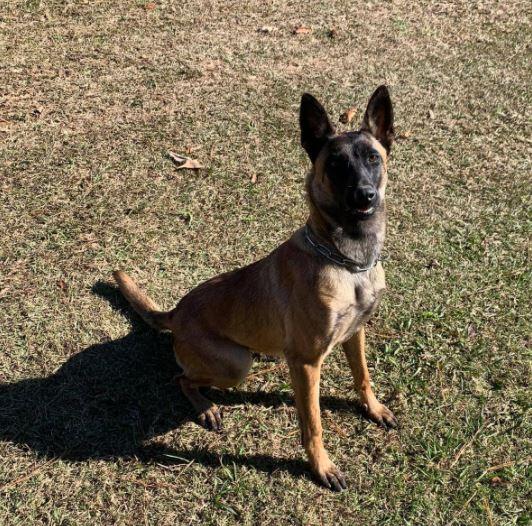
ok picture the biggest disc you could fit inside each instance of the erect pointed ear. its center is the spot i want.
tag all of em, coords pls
(378, 119)
(315, 126)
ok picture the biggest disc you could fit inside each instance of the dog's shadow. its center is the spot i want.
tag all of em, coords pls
(107, 400)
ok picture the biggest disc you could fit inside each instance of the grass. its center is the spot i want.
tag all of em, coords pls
(93, 429)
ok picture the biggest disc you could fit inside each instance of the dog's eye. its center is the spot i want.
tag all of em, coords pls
(333, 164)
(373, 158)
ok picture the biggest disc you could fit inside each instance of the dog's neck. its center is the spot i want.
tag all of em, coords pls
(361, 241)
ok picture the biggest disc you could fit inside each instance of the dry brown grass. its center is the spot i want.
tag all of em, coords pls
(92, 96)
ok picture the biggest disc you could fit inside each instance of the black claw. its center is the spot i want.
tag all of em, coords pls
(342, 481)
(210, 420)
(336, 482)
(325, 481)
(336, 485)
(203, 421)
(213, 422)
(218, 418)
(390, 422)
(333, 481)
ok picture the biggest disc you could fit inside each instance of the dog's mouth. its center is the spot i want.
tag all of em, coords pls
(359, 209)
(362, 213)
(365, 211)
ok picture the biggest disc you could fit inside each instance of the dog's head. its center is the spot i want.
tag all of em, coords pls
(348, 177)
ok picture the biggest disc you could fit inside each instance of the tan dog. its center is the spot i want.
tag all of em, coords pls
(313, 292)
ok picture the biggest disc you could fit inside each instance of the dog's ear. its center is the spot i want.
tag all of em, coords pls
(315, 125)
(378, 119)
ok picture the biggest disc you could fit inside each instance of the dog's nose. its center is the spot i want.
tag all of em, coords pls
(367, 194)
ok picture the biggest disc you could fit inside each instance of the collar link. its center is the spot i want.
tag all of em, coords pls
(334, 255)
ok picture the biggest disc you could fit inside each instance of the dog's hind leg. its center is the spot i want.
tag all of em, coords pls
(210, 363)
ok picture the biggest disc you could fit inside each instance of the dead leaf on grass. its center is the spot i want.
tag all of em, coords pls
(254, 178)
(498, 481)
(431, 114)
(348, 115)
(301, 30)
(185, 163)
(150, 6)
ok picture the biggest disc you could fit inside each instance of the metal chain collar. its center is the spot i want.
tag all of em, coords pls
(335, 255)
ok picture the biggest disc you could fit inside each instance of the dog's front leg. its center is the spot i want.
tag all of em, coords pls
(305, 377)
(355, 350)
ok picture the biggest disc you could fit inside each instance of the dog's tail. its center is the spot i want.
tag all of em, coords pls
(142, 304)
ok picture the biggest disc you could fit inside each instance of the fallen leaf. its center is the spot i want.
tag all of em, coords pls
(4, 124)
(266, 29)
(471, 331)
(301, 30)
(348, 115)
(497, 481)
(254, 178)
(190, 164)
(183, 162)
(431, 115)
(150, 6)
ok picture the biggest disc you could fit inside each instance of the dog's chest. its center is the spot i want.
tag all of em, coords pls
(355, 299)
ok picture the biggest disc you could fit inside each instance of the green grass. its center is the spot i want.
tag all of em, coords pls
(93, 429)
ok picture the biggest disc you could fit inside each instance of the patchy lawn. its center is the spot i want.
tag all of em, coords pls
(93, 429)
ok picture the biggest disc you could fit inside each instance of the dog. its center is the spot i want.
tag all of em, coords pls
(313, 292)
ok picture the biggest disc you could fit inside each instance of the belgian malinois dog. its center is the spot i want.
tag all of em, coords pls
(313, 292)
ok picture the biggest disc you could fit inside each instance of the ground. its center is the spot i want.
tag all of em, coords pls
(94, 94)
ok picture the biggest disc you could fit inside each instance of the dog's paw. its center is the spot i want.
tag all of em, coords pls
(211, 419)
(381, 415)
(331, 477)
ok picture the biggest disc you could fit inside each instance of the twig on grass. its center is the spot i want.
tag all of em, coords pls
(503, 465)
(264, 371)
(489, 513)
(463, 449)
